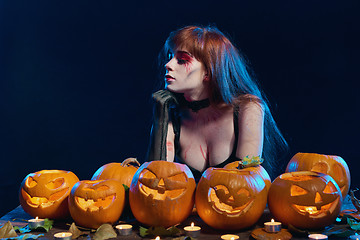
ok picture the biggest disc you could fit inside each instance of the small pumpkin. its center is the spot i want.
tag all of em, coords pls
(257, 169)
(122, 172)
(44, 194)
(162, 193)
(95, 202)
(334, 166)
(230, 199)
(305, 199)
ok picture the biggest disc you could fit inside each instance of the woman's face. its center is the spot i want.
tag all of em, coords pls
(185, 74)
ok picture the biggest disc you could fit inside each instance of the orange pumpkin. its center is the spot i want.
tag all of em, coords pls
(334, 166)
(258, 169)
(162, 193)
(122, 172)
(93, 203)
(305, 199)
(230, 199)
(44, 194)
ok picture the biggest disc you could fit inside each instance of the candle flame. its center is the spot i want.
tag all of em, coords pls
(272, 220)
(232, 238)
(157, 238)
(120, 227)
(36, 218)
(192, 224)
(63, 235)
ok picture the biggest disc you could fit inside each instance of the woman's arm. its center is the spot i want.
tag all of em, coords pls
(251, 130)
(170, 145)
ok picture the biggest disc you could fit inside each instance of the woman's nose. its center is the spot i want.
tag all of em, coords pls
(168, 65)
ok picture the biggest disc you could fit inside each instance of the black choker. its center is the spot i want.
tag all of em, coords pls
(197, 105)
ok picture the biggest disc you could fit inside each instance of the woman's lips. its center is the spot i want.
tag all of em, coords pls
(169, 78)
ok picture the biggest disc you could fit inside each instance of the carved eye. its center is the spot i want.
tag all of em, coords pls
(177, 181)
(149, 179)
(30, 182)
(243, 191)
(330, 188)
(297, 191)
(54, 184)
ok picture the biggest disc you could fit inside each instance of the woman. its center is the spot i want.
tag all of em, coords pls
(211, 111)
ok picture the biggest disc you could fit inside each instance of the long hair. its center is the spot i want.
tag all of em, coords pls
(230, 81)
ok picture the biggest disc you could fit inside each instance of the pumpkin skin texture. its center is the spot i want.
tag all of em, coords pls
(118, 171)
(162, 193)
(305, 199)
(258, 169)
(334, 166)
(93, 203)
(44, 194)
(230, 199)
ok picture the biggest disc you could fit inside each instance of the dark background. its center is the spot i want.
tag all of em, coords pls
(76, 77)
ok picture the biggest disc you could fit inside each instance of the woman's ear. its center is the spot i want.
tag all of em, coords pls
(206, 77)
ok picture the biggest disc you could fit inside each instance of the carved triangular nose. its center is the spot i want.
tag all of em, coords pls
(318, 198)
(161, 182)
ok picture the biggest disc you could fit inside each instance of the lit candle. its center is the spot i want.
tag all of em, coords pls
(157, 238)
(192, 231)
(63, 236)
(229, 237)
(355, 237)
(124, 229)
(36, 222)
(272, 227)
(317, 236)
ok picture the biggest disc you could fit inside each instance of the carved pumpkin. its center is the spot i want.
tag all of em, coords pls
(258, 169)
(230, 199)
(162, 193)
(93, 203)
(44, 194)
(306, 200)
(122, 172)
(334, 166)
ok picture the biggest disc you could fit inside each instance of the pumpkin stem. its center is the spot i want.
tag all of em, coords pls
(128, 161)
(250, 162)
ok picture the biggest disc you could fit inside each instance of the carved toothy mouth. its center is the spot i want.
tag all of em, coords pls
(224, 208)
(44, 202)
(314, 211)
(161, 193)
(95, 204)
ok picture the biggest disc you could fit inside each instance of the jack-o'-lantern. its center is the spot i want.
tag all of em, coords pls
(122, 172)
(230, 199)
(162, 193)
(258, 169)
(93, 203)
(44, 194)
(334, 166)
(305, 199)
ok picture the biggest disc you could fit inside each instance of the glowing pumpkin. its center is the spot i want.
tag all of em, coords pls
(44, 194)
(334, 166)
(230, 199)
(306, 200)
(122, 172)
(93, 203)
(162, 193)
(258, 169)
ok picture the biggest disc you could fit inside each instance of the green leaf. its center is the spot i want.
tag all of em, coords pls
(143, 231)
(355, 225)
(105, 231)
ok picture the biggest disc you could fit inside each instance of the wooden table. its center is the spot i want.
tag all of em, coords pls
(17, 216)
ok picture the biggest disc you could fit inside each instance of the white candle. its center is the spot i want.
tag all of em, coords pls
(192, 231)
(355, 237)
(317, 236)
(63, 236)
(124, 229)
(229, 237)
(272, 227)
(36, 222)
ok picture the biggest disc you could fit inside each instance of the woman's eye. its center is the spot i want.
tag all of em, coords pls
(181, 61)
